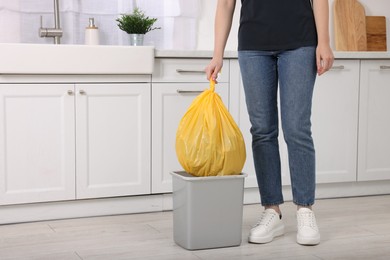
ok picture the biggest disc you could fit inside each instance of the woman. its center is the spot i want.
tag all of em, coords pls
(285, 44)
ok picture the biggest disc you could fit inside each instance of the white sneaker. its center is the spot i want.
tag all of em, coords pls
(308, 233)
(269, 226)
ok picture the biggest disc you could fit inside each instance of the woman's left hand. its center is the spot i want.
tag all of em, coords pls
(325, 58)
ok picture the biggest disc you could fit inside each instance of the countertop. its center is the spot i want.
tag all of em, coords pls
(53, 59)
(233, 54)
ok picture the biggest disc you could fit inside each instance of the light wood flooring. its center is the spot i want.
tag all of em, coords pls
(351, 228)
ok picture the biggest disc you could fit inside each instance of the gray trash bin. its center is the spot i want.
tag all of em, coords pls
(207, 211)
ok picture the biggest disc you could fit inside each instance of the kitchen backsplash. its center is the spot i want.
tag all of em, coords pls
(20, 21)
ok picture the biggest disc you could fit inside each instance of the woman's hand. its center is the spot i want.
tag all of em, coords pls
(325, 58)
(324, 52)
(222, 25)
(213, 69)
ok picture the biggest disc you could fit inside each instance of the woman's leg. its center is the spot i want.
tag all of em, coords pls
(297, 73)
(260, 80)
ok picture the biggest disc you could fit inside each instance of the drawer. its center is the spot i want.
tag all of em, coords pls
(185, 70)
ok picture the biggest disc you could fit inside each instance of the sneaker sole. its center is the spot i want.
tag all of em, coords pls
(308, 241)
(266, 239)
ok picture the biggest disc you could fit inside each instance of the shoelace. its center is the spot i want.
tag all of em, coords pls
(307, 220)
(265, 219)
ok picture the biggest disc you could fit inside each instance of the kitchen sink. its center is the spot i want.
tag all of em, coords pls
(75, 59)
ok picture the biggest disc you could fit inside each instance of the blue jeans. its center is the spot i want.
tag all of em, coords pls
(295, 71)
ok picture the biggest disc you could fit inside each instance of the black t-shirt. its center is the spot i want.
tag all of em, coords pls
(276, 25)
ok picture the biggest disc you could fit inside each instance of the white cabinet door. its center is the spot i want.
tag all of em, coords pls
(37, 143)
(374, 121)
(185, 70)
(170, 102)
(113, 139)
(335, 122)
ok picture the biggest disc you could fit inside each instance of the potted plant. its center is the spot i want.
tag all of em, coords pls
(136, 24)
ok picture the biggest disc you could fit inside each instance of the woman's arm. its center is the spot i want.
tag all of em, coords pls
(324, 52)
(222, 26)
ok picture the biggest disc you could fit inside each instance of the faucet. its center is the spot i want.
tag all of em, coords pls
(55, 32)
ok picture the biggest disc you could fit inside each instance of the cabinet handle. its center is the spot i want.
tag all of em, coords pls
(82, 92)
(189, 91)
(70, 92)
(190, 71)
(340, 67)
(385, 67)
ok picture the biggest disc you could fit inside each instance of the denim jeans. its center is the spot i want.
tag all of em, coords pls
(295, 71)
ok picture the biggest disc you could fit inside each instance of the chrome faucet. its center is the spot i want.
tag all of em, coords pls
(55, 32)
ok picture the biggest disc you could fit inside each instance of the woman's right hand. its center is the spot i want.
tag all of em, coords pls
(222, 25)
(213, 69)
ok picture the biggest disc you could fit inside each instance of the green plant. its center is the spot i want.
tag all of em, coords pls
(136, 22)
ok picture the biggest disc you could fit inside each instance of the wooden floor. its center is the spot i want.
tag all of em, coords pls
(351, 228)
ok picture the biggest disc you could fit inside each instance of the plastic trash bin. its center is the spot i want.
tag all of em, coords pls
(207, 211)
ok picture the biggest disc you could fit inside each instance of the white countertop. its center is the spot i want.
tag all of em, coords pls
(233, 54)
(190, 54)
(361, 55)
(104, 59)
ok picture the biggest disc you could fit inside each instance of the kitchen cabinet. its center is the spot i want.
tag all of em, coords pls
(75, 138)
(175, 84)
(374, 121)
(112, 139)
(334, 124)
(37, 143)
(74, 141)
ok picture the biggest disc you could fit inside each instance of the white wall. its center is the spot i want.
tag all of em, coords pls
(206, 22)
(206, 26)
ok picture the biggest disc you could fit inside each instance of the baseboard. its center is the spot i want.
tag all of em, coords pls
(162, 202)
(330, 190)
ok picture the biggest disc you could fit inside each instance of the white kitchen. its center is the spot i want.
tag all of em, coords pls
(88, 129)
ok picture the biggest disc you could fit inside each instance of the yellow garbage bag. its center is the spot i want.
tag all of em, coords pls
(208, 141)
